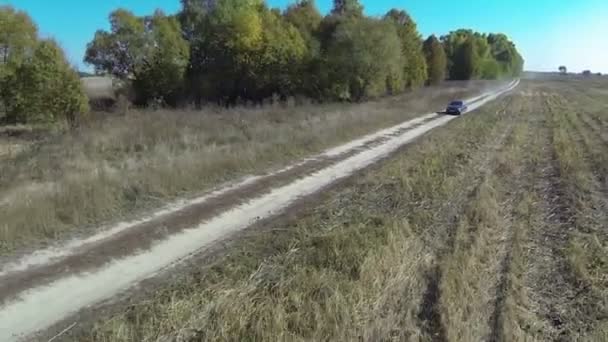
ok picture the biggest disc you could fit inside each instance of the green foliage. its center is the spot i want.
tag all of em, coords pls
(192, 15)
(233, 41)
(414, 62)
(504, 52)
(348, 8)
(150, 51)
(466, 61)
(228, 51)
(120, 51)
(463, 55)
(283, 52)
(160, 77)
(490, 69)
(18, 37)
(304, 16)
(364, 59)
(46, 89)
(231, 50)
(436, 60)
(37, 84)
(473, 55)
(244, 51)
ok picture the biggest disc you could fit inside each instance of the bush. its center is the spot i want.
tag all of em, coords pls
(38, 85)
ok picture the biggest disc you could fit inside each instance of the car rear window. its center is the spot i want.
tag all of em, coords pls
(456, 103)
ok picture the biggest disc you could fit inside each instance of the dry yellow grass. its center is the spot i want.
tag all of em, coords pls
(453, 240)
(490, 228)
(355, 267)
(122, 166)
(98, 87)
(558, 288)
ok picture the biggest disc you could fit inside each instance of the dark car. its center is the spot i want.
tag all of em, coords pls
(456, 107)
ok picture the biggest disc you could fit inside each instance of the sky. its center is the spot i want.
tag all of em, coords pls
(548, 33)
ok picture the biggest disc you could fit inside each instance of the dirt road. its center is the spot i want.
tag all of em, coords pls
(45, 287)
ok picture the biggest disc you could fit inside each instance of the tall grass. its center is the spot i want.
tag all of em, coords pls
(123, 165)
(468, 200)
(353, 268)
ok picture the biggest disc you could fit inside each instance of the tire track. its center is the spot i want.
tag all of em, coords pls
(520, 182)
(594, 152)
(562, 302)
(593, 125)
(429, 313)
(143, 236)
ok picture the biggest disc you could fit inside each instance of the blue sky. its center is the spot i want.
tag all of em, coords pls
(549, 33)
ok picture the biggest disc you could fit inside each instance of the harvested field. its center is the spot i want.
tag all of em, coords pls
(492, 228)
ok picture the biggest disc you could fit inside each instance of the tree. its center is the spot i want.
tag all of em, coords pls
(283, 53)
(18, 39)
(243, 50)
(436, 60)
(149, 51)
(231, 50)
(45, 89)
(121, 51)
(586, 73)
(363, 57)
(232, 37)
(505, 53)
(37, 85)
(160, 77)
(490, 69)
(194, 19)
(563, 70)
(414, 62)
(452, 43)
(347, 7)
(304, 16)
(18, 36)
(466, 61)
(494, 55)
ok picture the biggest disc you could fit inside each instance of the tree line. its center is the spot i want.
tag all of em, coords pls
(226, 51)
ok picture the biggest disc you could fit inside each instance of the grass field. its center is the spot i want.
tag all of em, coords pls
(65, 184)
(491, 228)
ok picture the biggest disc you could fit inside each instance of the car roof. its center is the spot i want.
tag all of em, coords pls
(457, 102)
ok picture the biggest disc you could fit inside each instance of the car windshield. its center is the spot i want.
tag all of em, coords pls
(456, 103)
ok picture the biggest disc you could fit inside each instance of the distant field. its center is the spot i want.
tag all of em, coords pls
(492, 228)
(98, 87)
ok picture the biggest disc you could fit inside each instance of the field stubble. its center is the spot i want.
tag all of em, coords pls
(355, 267)
(492, 228)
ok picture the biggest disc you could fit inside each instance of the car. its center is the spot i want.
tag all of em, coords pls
(456, 107)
